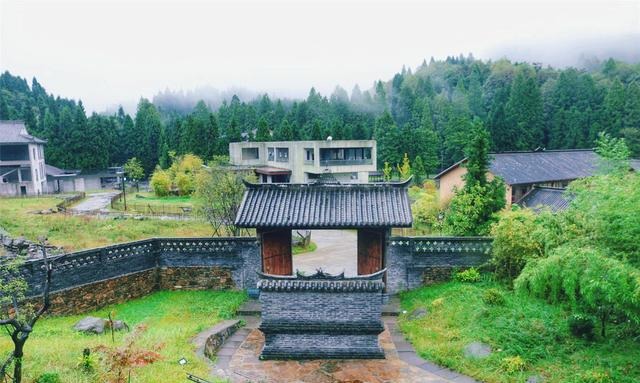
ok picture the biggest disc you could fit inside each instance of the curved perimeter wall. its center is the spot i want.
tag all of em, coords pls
(90, 279)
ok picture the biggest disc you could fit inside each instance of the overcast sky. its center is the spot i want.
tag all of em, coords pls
(115, 52)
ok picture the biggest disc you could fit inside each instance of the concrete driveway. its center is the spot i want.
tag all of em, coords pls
(336, 252)
(94, 202)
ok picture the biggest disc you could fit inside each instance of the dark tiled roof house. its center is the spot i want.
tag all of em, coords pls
(522, 171)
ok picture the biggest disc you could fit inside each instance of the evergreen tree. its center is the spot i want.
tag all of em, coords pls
(388, 136)
(614, 109)
(263, 133)
(148, 127)
(477, 157)
(419, 171)
(524, 112)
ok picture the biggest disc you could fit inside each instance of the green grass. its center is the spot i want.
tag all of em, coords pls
(152, 199)
(173, 319)
(522, 326)
(296, 249)
(83, 232)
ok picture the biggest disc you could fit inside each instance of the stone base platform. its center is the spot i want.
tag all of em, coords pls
(241, 364)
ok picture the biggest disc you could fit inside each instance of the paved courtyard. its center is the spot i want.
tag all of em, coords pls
(238, 361)
(336, 252)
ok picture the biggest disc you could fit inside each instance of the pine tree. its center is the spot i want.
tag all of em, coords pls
(524, 112)
(262, 133)
(614, 109)
(147, 127)
(477, 157)
(284, 132)
(388, 136)
(419, 171)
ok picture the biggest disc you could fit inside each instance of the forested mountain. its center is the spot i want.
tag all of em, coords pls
(429, 112)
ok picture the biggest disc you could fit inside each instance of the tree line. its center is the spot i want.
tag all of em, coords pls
(428, 113)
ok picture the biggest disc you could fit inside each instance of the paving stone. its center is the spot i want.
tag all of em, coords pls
(403, 346)
(477, 350)
(222, 361)
(410, 357)
(429, 366)
(226, 351)
(446, 373)
(464, 379)
(398, 366)
(238, 337)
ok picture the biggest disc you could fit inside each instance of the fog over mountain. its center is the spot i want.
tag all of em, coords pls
(585, 53)
(114, 52)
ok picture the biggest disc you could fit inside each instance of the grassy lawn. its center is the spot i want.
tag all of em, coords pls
(529, 328)
(83, 232)
(172, 317)
(295, 250)
(149, 203)
(152, 199)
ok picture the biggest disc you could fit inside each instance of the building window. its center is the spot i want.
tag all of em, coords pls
(270, 154)
(37, 177)
(309, 155)
(345, 156)
(34, 154)
(250, 154)
(282, 154)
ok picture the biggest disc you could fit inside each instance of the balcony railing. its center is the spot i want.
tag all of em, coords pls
(364, 161)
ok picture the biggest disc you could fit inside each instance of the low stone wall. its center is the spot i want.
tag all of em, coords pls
(91, 279)
(320, 317)
(414, 261)
(92, 296)
(195, 278)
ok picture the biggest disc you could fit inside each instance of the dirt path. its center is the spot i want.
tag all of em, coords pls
(94, 202)
(336, 252)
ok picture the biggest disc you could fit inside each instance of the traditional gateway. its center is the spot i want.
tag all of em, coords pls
(323, 316)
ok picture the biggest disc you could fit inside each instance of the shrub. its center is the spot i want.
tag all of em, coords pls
(184, 183)
(513, 364)
(161, 182)
(471, 210)
(493, 297)
(586, 279)
(469, 275)
(513, 243)
(48, 377)
(581, 325)
(426, 206)
(595, 377)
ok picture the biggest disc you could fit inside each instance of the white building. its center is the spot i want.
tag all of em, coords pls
(22, 166)
(305, 161)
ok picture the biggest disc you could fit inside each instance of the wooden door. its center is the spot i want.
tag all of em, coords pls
(370, 251)
(276, 252)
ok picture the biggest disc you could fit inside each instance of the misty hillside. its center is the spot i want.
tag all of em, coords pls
(427, 112)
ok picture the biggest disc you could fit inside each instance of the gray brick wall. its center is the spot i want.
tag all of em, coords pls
(240, 255)
(304, 319)
(412, 260)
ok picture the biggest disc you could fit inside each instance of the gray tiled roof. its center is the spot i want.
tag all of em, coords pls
(14, 132)
(541, 166)
(539, 198)
(325, 206)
